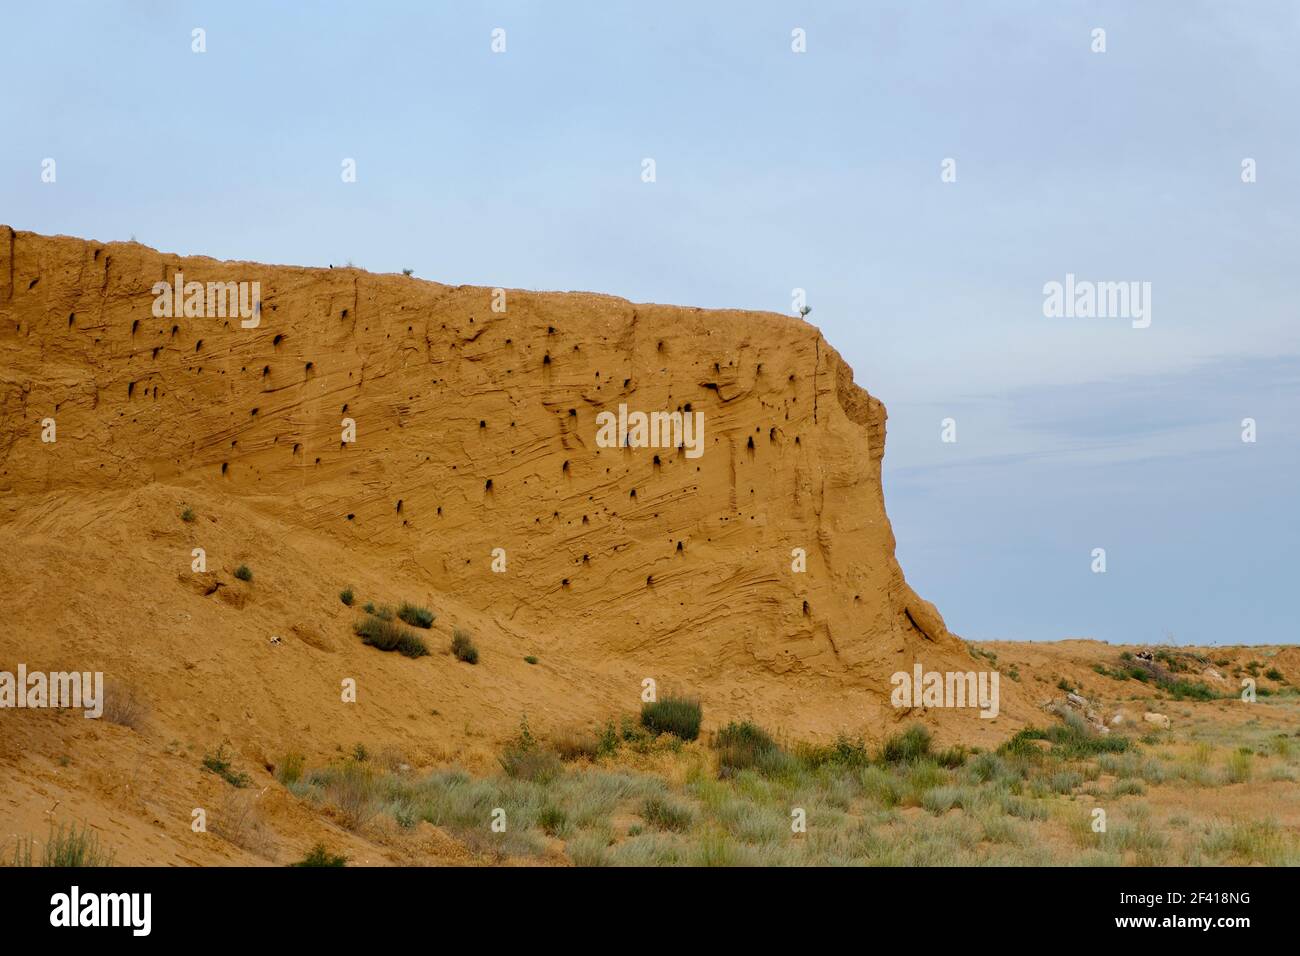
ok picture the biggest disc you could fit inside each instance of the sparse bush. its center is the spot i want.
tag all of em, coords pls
(1188, 690)
(319, 856)
(351, 788)
(679, 716)
(408, 272)
(238, 822)
(525, 759)
(665, 814)
(1072, 740)
(416, 616)
(219, 763)
(844, 752)
(939, 800)
(65, 846)
(387, 635)
(244, 573)
(1274, 674)
(124, 705)
(952, 758)
(1240, 767)
(553, 820)
(530, 659)
(347, 597)
(188, 516)
(462, 645)
(742, 745)
(576, 744)
(912, 744)
(290, 769)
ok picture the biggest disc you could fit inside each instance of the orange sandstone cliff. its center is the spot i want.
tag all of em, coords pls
(475, 430)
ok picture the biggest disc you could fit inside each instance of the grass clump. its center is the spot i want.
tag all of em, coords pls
(66, 846)
(679, 716)
(910, 745)
(576, 744)
(188, 516)
(319, 856)
(219, 763)
(1188, 690)
(387, 635)
(347, 597)
(1240, 766)
(742, 745)
(244, 573)
(416, 616)
(1071, 740)
(524, 758)
(664, 814)
(462, 645)
(530, 659)
(290, 769)
(844, 752)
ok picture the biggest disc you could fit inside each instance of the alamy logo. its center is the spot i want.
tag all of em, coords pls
(134, 910)
(655, 430)
(923, 688)
(1082, 299)
(58, 689)
(216, 300)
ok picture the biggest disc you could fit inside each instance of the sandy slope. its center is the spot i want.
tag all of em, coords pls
(622, 563)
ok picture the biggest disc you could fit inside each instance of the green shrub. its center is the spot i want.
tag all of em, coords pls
(525, 759)
(65, 846)
(188, 515)
(462, 645)
(844, 752)
(664, 814)
(1274, 674)
(219, 763)
(608, 742)
(1240, 766)
(290, 770)
(244, 573)
(530, 659)
(553, 820)
(951, 758)
(416, 616)
(742, 745)
(912, 744)
(1188, 690)
(346, 596)
(319, 856)
(679, 716)
(388, 635)
(1072, 740)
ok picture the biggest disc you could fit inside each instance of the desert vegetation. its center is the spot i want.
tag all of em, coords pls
(463, 647)
(637, 791)
(377, 628)
(66, 845)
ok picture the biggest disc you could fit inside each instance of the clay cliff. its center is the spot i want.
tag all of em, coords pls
(475, 416)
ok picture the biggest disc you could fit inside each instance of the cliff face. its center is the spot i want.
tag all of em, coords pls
(475, 430)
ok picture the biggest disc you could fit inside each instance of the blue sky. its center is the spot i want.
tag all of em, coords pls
(778, 170)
